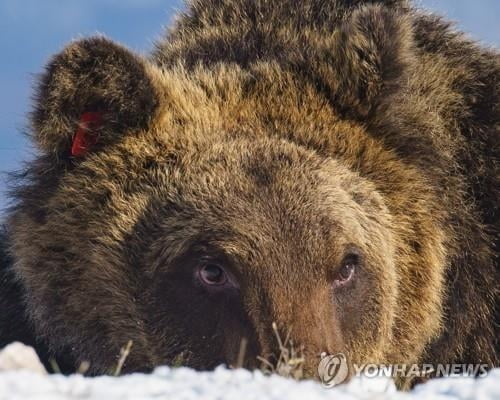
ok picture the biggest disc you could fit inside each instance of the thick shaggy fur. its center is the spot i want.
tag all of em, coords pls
(14, 323)
(277, 138)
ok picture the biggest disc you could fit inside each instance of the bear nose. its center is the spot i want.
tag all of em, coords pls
(305, 326)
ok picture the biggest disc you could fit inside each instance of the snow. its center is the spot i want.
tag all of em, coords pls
(187, 384)
(30, 382)
(17, 356)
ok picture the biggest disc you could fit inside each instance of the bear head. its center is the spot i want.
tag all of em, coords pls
(191, 210)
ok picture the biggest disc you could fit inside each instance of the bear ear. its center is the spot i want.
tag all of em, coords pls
(92, 93)
(372, 51)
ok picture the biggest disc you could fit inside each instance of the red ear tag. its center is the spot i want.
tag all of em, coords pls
(87, 134)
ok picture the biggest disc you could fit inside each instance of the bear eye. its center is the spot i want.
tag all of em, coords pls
(212, 274)
(346, 271)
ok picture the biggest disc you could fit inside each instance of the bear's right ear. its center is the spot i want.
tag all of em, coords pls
(92, 93)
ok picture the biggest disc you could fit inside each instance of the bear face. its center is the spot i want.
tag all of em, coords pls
(143, 219)
(220, 212)
(188, 208)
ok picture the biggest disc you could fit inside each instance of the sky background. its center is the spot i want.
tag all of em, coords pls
(33, 30)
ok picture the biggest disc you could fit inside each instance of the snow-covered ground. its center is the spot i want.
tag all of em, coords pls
(184, 383)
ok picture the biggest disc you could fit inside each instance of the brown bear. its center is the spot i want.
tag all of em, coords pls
(329, 166)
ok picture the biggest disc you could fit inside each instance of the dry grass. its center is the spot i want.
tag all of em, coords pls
(241, 353)
(179, 360)
(290, 362)
(83, 368)
(124, 352)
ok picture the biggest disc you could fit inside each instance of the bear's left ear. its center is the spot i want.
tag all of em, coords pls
(367, 59)
(92, 93)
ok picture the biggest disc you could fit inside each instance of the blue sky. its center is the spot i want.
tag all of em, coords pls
(32, 30)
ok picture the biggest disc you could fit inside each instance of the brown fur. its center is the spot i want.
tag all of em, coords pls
(277, 138)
